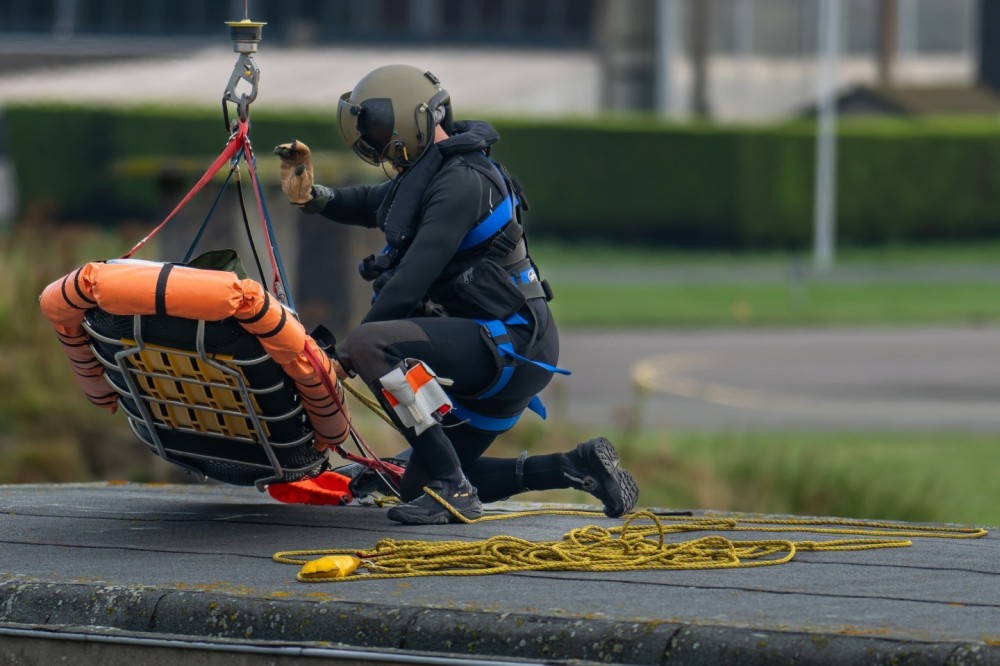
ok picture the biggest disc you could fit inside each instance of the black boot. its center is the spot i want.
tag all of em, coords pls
(593, 467)
(425, 510)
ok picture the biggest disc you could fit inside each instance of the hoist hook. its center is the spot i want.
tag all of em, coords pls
(246, 34)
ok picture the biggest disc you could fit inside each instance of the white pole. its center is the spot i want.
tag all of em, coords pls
(824, 231)
(667, 34)
(743, 12)
(908, 28)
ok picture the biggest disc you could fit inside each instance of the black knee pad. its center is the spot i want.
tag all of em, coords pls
(368, 348)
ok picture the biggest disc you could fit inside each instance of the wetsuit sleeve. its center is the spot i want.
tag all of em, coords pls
(451, 208)
(355, 205)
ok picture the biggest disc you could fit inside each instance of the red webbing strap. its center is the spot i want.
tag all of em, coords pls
(236, 142)
(394, 472)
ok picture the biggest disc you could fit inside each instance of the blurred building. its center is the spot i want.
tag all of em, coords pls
(556, 23)
(728, 59)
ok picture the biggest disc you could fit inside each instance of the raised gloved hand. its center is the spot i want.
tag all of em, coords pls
(296, 171)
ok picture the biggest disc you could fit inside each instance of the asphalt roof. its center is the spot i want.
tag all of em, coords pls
(195, 561)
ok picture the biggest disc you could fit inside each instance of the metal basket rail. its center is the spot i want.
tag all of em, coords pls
(203, 394)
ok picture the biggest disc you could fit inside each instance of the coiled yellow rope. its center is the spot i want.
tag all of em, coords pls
(630, 547)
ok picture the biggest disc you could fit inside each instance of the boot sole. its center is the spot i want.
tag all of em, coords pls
(443, 517)
(436, 519)
(619, 485)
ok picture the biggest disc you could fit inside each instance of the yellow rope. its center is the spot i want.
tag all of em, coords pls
(369, 402)
(629, 547)
(594, 548)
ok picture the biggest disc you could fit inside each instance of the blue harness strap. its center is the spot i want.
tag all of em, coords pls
(486, 228)
(526, 276)
(493, 423)
(497, 330)
(490, 225)
(482, 422)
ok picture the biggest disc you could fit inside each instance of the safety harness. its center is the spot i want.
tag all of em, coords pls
(503, 231)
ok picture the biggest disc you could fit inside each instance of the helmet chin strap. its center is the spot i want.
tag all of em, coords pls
(405, 163)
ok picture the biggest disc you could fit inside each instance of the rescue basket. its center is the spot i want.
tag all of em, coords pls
(212, 372)
(225, 410)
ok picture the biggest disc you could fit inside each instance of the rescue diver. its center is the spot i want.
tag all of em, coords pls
(458, 305)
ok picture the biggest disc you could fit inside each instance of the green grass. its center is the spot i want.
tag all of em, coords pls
(932, 477)
(561, 254)
(946, 477)
(890, 286)
(740, 305)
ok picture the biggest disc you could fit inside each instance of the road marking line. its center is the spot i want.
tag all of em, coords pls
(663, 373)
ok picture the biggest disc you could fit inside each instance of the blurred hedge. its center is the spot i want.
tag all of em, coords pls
(630, 179)
(81, 162)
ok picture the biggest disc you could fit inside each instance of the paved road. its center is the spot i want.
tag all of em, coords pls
(942, 378)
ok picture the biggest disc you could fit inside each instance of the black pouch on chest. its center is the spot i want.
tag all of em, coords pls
(484, 290)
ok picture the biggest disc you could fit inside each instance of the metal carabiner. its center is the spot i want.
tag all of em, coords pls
(245, 70)
(246, 35)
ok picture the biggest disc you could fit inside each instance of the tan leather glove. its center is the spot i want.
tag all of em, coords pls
(296, 171)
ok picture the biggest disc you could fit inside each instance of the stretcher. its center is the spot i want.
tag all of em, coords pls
(212, 372)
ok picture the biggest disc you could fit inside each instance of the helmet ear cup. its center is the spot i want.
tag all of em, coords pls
(440, 106)
(447, 122)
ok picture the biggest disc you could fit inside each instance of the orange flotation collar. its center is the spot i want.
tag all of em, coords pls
(146, 288)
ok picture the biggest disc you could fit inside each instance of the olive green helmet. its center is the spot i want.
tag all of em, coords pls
(390, 115)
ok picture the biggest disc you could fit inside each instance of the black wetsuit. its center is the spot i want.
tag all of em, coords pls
(420, 311)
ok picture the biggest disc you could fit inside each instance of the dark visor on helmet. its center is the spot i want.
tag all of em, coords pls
(351, 113)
